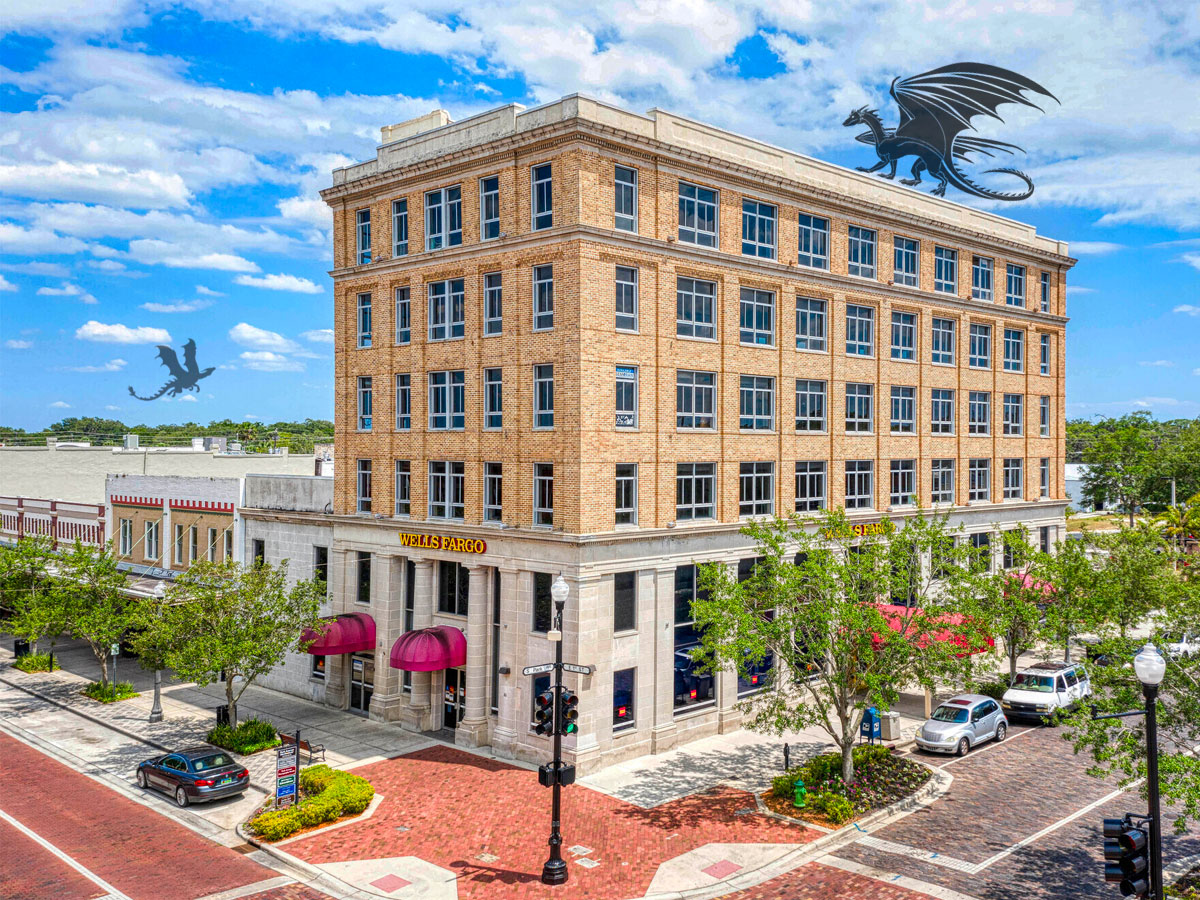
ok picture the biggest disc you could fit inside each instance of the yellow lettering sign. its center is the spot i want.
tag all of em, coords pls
(437, 542)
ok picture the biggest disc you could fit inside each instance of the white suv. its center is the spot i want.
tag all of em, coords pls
(1185, 644)
(1045, 688)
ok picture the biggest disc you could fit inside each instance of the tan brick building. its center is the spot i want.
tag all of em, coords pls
(596, 341)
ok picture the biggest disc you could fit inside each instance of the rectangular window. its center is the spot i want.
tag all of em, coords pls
(543, 396)
(400, 227)
(228, 544)
(258, 552)
(624, 683)
(1044, 476)
(1014, 350)
(860, 484)
(1013, 416)
(364, 320)
(695, 399)
(758, 229)
(625, 602)
(126, 538)
(861, 252)
(907, 253)
(904, 416)
(756, 404)
(403, 487)
(446, 494)
(543, 613)
(493, 398)
(757, 318)
(320, 568)
(941, 411)
(493, 303)
(403, 316)
(193, 544)
(1044, 538)
(810, 324)
(943, 341)
(860, 415)
(489, 208)
(443, 218)
(625, 199)
(543, 494)
(1044, 416)
(756, 489)
(210, 550)
(542, 183)
(179, 557)
(693, 687)
(1014, 477)
(543, 298)
(945, 270)
(362, 236)
(814, 241)
(626, 497)
(364, 403)
(493, 492)
(1014, 292)
(979, 412)
(979, 479)
(981, 543)
(904, 482)
(980, 354)
(810, 486)
(904, 335)
(943, 481)
(447, 401)
(694, 492)
(860, 330)
(627, 397)
(697, 215)
(1045, 292)
(981, 279)
(364, 485)
(694, 304)
(362, 571)
(453, 592)
(447, 310)
(810, 405)
(627, 298)
(1045, 349)
(403, 402)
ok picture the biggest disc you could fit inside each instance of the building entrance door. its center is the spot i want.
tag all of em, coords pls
(362, 682)
(454, 697)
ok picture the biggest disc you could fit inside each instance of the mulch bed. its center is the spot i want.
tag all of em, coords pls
(878, 785)
(1187, 887)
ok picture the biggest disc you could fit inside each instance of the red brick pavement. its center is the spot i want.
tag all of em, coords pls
(295, 891)
(29, 870)
(456, 806)
(814, 881)
(136, 850)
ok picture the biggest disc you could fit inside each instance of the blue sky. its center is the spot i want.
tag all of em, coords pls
(160, 163)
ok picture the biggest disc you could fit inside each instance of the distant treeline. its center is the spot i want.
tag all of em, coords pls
(256, 437)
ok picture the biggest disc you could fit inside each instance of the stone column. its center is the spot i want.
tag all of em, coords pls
(504, 733)
(729, 717)
(340, 599)
(472, 731)
(581, 628)
(660, 686)
(387, 608)
(337, 670)
(417, 715)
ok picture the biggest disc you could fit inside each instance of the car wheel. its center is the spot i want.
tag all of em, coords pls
(181, 797)
(1001, 732)
(963, 746)
(141, 780)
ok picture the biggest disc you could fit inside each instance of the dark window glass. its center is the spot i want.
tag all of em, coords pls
(625, 601)
(543, 603)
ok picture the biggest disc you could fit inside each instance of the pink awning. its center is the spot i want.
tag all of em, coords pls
(903, 620)
(430, 649)
(347, 633)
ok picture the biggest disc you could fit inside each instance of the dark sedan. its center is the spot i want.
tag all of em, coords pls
(194, 775)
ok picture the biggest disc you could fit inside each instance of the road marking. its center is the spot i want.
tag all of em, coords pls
(991, 745)
(248, 889)
(927, 856)
(904, 881)
(82, 870)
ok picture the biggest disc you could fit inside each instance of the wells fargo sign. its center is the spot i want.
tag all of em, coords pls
(442, 542)
(861, 529)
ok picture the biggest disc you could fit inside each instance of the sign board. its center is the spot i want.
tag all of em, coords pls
(114, 650)
(861, 529)
(442, 542)
(286, 760)
(578, 670)
(538, 670)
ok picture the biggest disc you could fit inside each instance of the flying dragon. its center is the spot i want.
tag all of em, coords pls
(936, 107)
(182, 379)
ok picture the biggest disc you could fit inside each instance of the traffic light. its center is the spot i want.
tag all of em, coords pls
(543, 713)
(568, 713)
(1126, 857)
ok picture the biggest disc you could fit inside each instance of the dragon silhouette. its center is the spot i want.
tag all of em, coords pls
(936, 108)
(183, 378)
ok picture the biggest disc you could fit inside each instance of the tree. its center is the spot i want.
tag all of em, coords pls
(1071, 577)
(25, 590)
(815, 611)
(228, 619)
(1120, 460)
(1135, 577)
(89, 592)
(1014, 601)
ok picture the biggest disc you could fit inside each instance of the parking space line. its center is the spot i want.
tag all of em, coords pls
(991, 745)
(82, 870)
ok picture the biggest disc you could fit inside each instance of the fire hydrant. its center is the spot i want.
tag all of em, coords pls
(801, 799)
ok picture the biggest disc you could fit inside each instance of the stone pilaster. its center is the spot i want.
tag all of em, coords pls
(504, 734)
(662, 688)
(472, 731)
(418, 714)
(387, 608)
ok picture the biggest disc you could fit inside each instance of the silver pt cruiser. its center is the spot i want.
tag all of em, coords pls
(961, 723)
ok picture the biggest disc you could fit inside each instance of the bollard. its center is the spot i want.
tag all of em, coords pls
(787, 757)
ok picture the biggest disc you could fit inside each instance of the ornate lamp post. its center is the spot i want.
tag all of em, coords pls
(1150, 668)
(156, 711)
(555, 869)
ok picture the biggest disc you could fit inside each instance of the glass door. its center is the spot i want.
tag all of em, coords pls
(454, 697)
(362, 682)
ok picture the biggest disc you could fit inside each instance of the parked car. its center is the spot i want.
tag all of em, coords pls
(1045, 688)
(961, 723)
(194, 775)
(1184, 644)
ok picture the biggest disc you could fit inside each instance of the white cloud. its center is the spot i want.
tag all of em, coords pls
(94, 183)
(1157, 363)
(318, 335)
(266, 361)
(113, 365)
(53, 270)
(1147, 402)
(122, 334)
(112, 267)
(1192, 259)
(180, 306)
(181, 256)
(37, 241)
(279, 283)
(68, 290)
(1093, 248)
(1196, 371)
(188, 398)
(1074, 289)
(250, 418)
(18, 345)
(6, 285)
(260, 339)
(208, 292)
(1187, 309)
(59, 404)
(112, 408)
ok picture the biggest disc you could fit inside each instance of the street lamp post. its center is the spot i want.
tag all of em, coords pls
(1150, 668)
(156, 711)
(555, 869)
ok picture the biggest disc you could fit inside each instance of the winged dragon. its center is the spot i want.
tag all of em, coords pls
(183, 378)
(936, 109)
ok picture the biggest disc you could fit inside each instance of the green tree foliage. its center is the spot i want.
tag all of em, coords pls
(1072, 577)
(25, 583)
(256, 437)
(1119, 459)
(1014, 601)
(89, 592)
(1135, 577)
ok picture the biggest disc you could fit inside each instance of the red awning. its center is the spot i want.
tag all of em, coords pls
(347, 633)
(430, 649)
(903, 620)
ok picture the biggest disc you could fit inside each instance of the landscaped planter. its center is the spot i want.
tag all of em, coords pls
(326, 796)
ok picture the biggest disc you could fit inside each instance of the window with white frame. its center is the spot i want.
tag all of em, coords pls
(694, 305)
(1014, 350)
(810, 405)
(626, 499)
(542, 183)
(904, 416)
(403, 402)
(1044, 476)
(1014, 477)
(945, 270)
(860, 484)
(904, 335)
(979, 412)
(860, 330)
(814, 241)
(979, 480)
(489, 208)
(179, 556)
(627, 298)
(543, 396)
(943, 342)
(907, 254)
(1045, 351)
(981, 279)
(860, 415)
(228, 544)
(543, 298)
(758, 229)
(447, 401)
(941, 411)
(1013, 417)
(364, 402)
(447, 310)
(756, 488)
(150, 547)
(400, 227)
(446, 490)
(695, 399)
(125, 538)
(626, 397)
(1045, 292)
(861, 252)
(810, 324)
(1044, 416)
(443, 218)
(903, 482)
(694, 491)
(981, 543)
(942, 471)
(697, 215)
(363, 486)
(493, 303)
(756, 320)
(980, 350)
(756, 403)
(543, 494)
(403, 487)
(364, 320)
(625, 199)
(403, 316)
(193, 544)
(810, 486)
(493, 398)
(362, 236)
(493, 492)
(210, 550)
(1014, 292)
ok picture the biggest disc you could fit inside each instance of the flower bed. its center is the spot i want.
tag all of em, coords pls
(880, 779)
(111, 692)
(250, 736)
(1186, 888)
(326, 795)
(35, 662)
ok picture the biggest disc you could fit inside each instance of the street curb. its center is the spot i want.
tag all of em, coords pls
(311, 873)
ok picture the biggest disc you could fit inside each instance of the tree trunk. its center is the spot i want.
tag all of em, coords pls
(1012, 662)
(230, 705)
(101, 654)
(848, 762)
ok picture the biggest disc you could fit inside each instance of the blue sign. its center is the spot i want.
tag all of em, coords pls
(285, 790)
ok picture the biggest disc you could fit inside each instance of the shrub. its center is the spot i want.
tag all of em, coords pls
(870, 753)
(784, 785)
(327, 795)
(35, 662)
(110, 693)
(248, 737)
(838, 809)
(993, 689)
(315, 779)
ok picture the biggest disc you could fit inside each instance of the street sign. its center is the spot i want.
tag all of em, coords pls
(286, 760)
(114, 650)
(537, 670)
(285, 770)
(578, 670)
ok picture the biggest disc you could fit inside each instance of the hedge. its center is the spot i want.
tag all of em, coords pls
(328, 794)
(34, 662)
(110, 693)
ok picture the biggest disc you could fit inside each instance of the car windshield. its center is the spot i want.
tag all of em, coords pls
(204, 763)
(950, 714)
(1028, 682)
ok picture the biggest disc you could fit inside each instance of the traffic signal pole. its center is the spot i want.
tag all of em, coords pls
(555, 869)
(1156, 864)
